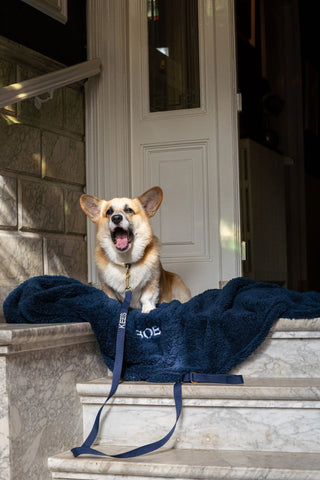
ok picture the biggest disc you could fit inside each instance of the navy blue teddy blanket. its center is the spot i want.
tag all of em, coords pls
(212, 333)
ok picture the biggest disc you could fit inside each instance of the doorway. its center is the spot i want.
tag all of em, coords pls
(278, 77)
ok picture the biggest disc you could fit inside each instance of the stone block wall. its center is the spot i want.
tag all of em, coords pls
(42, 175)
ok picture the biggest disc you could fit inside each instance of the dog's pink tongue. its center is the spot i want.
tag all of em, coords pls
(122, 240)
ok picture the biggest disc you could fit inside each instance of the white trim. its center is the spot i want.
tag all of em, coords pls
(49, 82)
(58, 12)
(228, 147)
(107, 109)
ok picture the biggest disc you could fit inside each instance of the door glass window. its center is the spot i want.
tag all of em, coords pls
(173, 42)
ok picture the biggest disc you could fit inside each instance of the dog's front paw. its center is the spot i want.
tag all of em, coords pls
(147, 308)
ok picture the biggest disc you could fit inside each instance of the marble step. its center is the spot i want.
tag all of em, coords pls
(292, 349)
(264, 414)
(190, 465)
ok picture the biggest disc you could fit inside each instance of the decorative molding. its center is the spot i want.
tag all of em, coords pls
(49, 82)
(163, 165)
(107, 109)
(57, 9)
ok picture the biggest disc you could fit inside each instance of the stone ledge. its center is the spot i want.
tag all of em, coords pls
(17, 338)
(264, 392)
(190, 464)
(298, 325)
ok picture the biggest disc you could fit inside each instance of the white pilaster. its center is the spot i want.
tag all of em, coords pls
(107, 109)
(228, 155)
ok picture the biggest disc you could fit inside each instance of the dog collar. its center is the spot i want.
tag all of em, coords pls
(122, 264)
(127, 266)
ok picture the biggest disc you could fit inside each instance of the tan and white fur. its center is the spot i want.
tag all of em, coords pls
(125, 236)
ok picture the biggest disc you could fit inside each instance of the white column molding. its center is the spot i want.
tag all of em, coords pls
(107, 109)
(230, 232)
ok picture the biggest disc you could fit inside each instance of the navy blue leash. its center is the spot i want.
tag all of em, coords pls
(86, 447)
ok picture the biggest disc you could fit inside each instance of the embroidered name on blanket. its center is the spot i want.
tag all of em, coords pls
(148, 333)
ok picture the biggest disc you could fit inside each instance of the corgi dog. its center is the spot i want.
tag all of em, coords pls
(125, 237)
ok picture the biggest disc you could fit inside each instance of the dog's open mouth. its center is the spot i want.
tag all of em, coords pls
(121, 238)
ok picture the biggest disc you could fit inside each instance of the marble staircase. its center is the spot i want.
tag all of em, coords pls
(267, 428)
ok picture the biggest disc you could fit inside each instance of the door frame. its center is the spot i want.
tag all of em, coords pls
(108, 121)
(228, 141)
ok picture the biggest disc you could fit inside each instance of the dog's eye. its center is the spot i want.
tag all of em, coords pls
(109, 211)
(129, 210)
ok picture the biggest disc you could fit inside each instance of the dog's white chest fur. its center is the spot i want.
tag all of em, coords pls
(140, 276)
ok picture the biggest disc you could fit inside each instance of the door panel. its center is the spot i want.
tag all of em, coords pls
(181, 170)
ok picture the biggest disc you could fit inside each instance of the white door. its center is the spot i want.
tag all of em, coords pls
(189, 148)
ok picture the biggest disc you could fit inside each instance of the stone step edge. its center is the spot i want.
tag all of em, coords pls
(19, 338)
(255, 392)
(190, 465)
(295, 325)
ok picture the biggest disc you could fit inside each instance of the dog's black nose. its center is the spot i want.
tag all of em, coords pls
(116, 218)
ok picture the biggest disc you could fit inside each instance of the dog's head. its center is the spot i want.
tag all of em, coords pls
(123, 225)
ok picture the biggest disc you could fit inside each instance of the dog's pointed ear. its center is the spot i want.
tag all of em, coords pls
(91, 206)
(151, 200)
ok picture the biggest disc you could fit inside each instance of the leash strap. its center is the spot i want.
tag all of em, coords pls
(86, 447)
(212, 378)
(118, 362)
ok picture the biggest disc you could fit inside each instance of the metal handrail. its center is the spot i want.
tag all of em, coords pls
(49, 82)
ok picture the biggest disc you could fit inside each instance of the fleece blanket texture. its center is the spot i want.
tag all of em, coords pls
(212, 333)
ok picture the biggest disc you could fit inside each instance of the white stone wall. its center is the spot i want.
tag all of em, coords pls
(42, 175)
